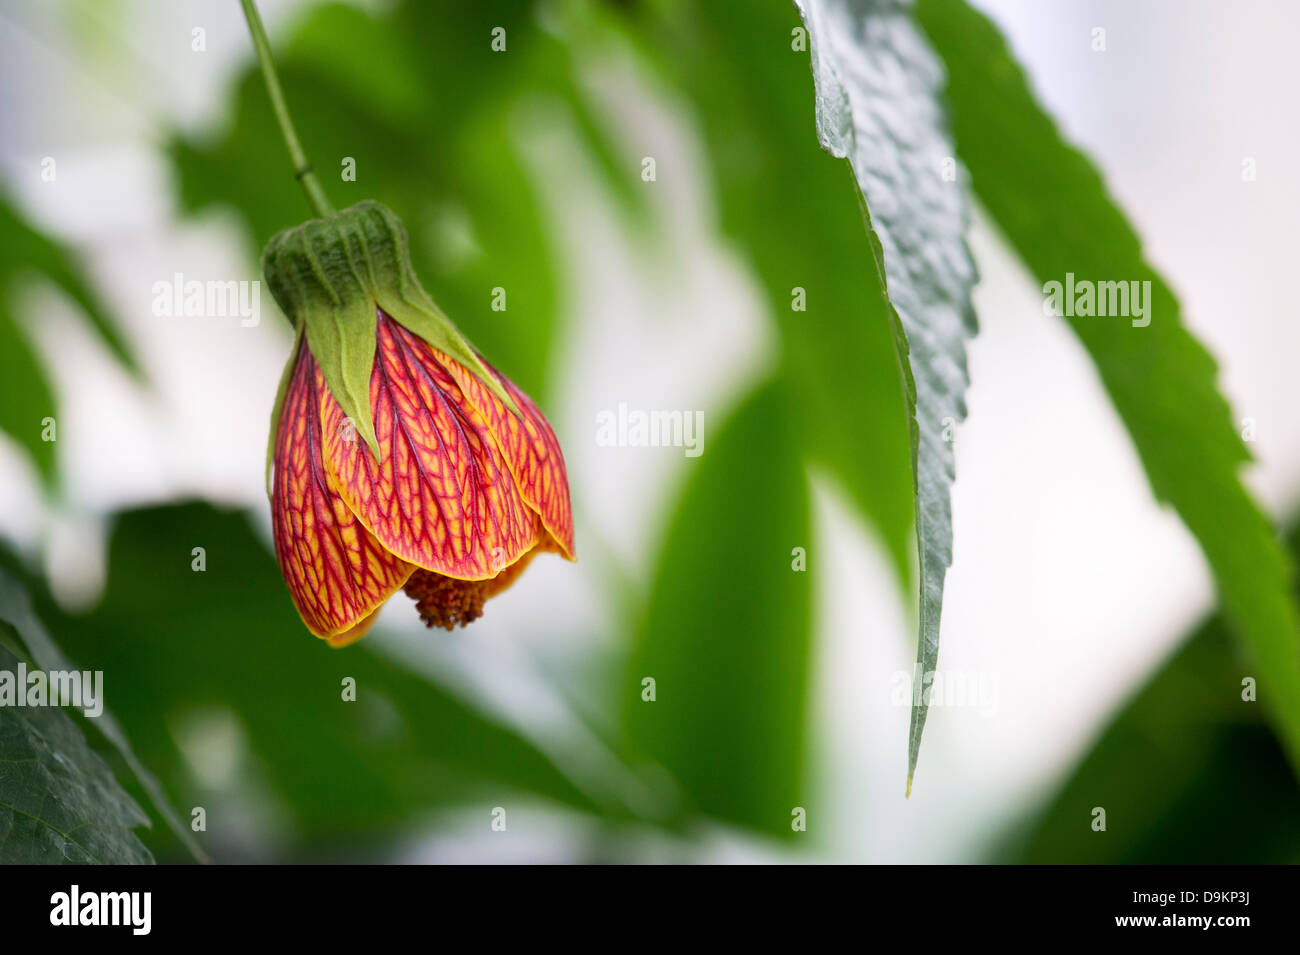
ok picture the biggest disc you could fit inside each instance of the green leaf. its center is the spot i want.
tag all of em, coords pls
(727, 631)
(1055, 209)
(26, 396)
(1184, 748)
(878, 106)
(16, 611)
(59, 801)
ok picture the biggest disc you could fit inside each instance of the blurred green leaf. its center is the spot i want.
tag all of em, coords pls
(791, 213)
(16, 611)
(878, 106)
(172, 641)
(21, 245)
(26, 396)
(1188, 772)
(351, 45)
(1054, 208)
(59, 801)
(727, 634)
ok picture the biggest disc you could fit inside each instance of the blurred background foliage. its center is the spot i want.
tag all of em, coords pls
(1186, 774)
(26, 394)
(234, 709)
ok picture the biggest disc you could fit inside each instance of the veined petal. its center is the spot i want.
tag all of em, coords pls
(337, 573)
(442, 496)
(358, 630)
(530, 448)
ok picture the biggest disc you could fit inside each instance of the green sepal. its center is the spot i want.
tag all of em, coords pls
(328, 275)
(401, 295)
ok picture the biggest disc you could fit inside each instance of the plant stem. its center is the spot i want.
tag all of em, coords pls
(302, 170)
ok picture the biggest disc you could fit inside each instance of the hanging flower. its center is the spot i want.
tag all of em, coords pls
(398, 457)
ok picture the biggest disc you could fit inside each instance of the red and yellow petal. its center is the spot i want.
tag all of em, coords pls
(338, 573)
(530, 447)
(358, 630)
(441, 496)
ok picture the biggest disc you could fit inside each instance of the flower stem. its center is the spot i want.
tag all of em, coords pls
(302, 170)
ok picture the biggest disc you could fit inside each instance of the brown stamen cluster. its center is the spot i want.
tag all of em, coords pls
(450, 603)
(446, 602)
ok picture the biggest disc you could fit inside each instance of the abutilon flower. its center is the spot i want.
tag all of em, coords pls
(398, 457)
